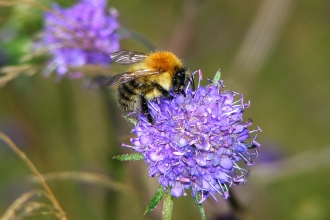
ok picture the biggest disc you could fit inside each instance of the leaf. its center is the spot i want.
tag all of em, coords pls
(129, 157)
(216, 78)
(155, 199)
(133, 121)
(199, 206)
(168, 206)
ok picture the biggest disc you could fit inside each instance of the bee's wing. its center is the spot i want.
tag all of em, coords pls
(128, 76)
(125, 57)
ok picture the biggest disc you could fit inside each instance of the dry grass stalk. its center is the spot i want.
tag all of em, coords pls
(87, 177)
(22, 208)
(260, 39)
(34, 170)
(9, 73)
(8, 3)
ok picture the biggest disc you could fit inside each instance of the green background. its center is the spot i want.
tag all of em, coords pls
(275, 52)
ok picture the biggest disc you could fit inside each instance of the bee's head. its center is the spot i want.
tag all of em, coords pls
(179, 80)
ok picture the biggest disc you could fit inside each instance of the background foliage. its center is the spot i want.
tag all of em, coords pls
(275, 52)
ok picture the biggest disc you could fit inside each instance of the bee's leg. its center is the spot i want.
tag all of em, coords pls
(192, 80)
(183, 93)
(145, 109)
(164, 92)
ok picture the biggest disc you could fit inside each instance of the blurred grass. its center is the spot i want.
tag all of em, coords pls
(64, 127)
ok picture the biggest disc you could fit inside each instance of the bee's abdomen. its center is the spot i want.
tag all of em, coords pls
(128, 96)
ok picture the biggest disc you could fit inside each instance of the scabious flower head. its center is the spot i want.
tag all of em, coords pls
(80, 35)
(197, 141)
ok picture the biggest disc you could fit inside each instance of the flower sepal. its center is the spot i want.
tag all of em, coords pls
(132, 120)
(129, 157)
(159, 194)
(216, 78)
(199, 206)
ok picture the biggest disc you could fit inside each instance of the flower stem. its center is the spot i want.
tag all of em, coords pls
(168, 206)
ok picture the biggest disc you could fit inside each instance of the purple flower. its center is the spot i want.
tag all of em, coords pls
(79, 35)
(197, 141)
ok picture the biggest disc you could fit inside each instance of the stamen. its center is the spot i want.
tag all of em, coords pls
(228, 113)
(253, 131)
(178, 153)
(215, 188)
(146, 121)
(253, 140)
(149, 102)
(248, 162)
(242, 100)
(226, 193)
(184, 180)
(202, 199)
(240, 169)
(240, 179)
(247, 124)
(221, 83)
(246, 105)
(259, 129)
(125, 145)
(169, 112)
(254, 155)
(200, 77)
(255, 144)
(220, 184)
(213, 197)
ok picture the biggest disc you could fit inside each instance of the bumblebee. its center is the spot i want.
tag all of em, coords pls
(153, 75)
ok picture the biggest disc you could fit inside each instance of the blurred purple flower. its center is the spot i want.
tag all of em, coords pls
(79, 35)
(196, 141)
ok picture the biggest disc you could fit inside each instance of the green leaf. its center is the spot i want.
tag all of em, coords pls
(129, 157)
(216, 78)
(199, 206)
(168, 206)
(155, 199)
(132, 120)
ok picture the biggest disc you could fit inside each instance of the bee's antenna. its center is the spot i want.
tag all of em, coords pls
(110, 82)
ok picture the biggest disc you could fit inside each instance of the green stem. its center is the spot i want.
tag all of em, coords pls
(168, 206)
(199, 206)
(114, 166)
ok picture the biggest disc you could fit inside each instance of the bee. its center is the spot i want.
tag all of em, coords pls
(153, 75)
